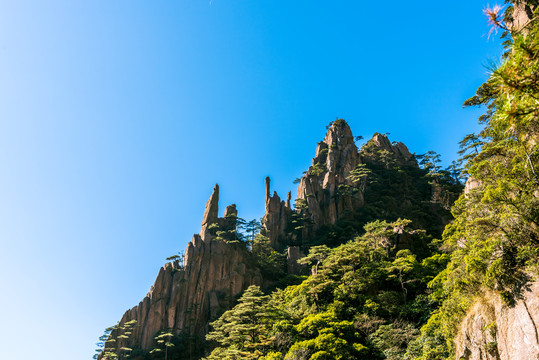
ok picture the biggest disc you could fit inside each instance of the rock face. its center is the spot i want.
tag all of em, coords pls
(211, 213)
(277, 216)
(471, 184)
(293, 254)
(185, 298)
(326, 188)
(325, 192)
(320, 196)
(397, 150)
(321, 186)
(494, 331)
(522, 15)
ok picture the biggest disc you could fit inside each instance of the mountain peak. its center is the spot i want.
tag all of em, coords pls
(339, 133)
(381, 142)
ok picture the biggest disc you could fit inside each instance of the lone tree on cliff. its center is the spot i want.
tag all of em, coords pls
(163, 342)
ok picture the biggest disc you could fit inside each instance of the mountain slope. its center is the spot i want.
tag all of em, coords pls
(333, 205)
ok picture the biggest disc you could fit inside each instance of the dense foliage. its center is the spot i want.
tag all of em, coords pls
(402, 189)
(495, 236)
(391, 188)
(365, 299)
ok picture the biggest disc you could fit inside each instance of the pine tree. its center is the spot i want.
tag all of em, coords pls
(470, 147)
(240, 332)
(360, 176)
(270, 262)
(179, 258)
(102, 346)
(113, 343)
(163, 341)
(430, 161)
(251, 228)
(316, 255)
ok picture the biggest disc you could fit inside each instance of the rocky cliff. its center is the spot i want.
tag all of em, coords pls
(277, 216)
(493, 330)
(317, 197)
(326, 193)
(335, 157)
(186, 297)
(217, 267)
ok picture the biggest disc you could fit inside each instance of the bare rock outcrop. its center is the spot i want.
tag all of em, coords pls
(327, 189)
(211, 213)
(471, 184)
(326, 193)
(293, 254)
(397, 150)
(277, 216)
(493, 330)
(186, 297)
(322, 188)
(521, 16)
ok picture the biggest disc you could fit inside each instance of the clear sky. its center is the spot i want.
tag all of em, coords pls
(117, 118)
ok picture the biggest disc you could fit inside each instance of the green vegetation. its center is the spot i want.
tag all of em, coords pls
(394, 189)
(241, 332)
(494, 238)
(112, 344)
(163, 340)
(270, 262)
(318, 169)
(365, 298)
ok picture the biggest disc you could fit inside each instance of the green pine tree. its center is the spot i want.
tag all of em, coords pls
(241, 332)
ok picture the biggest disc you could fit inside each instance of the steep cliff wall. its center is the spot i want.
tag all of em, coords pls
(277, 216)
(335, 157)
(495, 331)
(318, 189)
(326, 193)
(185, 298)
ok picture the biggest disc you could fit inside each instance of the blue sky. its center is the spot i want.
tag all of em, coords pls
(118, 117)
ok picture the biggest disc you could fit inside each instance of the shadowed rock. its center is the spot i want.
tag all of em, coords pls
(211, 213)
(277, 215)
(320, 187)
(186, 297)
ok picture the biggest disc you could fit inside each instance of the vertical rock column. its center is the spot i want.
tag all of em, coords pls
(322, 186)
(186, 297)
(276, 217)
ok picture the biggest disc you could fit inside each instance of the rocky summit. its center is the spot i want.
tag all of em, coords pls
(356, 258)
(187, 296)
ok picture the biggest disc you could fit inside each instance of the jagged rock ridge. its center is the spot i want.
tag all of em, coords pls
(335, 157)
(322, 188)
(185, 298)
(277, 215)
